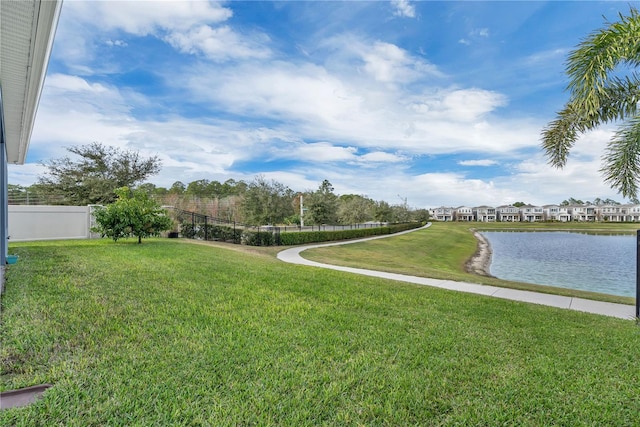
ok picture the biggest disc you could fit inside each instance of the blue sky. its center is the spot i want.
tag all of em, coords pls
(438, 103)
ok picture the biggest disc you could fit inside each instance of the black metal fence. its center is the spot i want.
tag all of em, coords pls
(204, 227)
(325, 227)
(197, 226)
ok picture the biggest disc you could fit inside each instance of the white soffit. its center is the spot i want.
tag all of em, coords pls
(27, 28)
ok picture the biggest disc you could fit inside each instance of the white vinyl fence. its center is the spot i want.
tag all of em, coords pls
(49, 222)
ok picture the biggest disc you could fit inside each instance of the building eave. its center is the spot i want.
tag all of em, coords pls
(27, 30)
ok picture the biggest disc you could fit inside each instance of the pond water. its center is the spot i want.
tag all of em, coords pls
(590, 262)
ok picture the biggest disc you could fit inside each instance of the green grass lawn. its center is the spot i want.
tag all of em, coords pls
(174, 333)
(442, 250)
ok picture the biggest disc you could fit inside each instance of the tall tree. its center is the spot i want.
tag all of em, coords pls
(400, 213)
(177, 187)
(572, 202)
(323, 205)
(96, 172)
(267, 202)
(601, 93)
(233, 187)
(148, 188)
(215, 189)
(421, 215)
(354, 209)
(383, 212)
(198, 188)
(17, 194)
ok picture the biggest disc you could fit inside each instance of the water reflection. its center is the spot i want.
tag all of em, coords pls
(590, 262)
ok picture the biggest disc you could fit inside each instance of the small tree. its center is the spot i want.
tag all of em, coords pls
(132, 214)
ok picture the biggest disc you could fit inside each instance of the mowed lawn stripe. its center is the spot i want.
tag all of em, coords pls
(172, 333)
(441, 251)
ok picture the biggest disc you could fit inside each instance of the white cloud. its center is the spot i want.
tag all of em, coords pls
(294, 180)
(592, 144)
(382, 157)
(68, 83)
(26, 174)
(422, 190)
(218, 43)
(322, 152)
(306, 92)
(403, 8)
(364, 113)
(472, 104)
(544, 57)
(118, 43)
(474, 35)
(546, 185)
(145, 17)
(316, 104)
(580, 178)
(329, 103)
(74, 112)
(531, 180)
(388, 63)
(193, 27)
(66, 98)
(481, 162)
(193, 150)
(384, 62)
(453, 189)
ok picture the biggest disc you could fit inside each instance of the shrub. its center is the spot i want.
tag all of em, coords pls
(257, 238)
(132, 214)
(210, 232)
(306, 237)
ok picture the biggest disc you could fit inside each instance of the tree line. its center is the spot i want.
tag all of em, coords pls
(571, 201)
(95, 172)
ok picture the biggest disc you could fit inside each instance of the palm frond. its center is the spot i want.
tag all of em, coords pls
(590, 66)
(621, 161)
(558, 138)
(599, 95)
(618, 100)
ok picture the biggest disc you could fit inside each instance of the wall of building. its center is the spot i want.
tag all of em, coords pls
(4, 231)
(48, 222)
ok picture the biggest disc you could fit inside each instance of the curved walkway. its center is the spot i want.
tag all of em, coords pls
(621, 311)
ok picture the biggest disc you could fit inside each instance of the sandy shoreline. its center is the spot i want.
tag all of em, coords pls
(480, 262)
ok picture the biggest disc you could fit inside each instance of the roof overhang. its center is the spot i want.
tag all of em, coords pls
(27, 29)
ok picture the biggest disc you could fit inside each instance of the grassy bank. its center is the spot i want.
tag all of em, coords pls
(172, 333)
(442, 250)
(587, 227)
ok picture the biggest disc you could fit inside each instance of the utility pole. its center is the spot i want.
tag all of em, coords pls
(405, 209)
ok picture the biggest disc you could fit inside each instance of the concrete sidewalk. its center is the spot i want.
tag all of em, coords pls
(621, 311)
